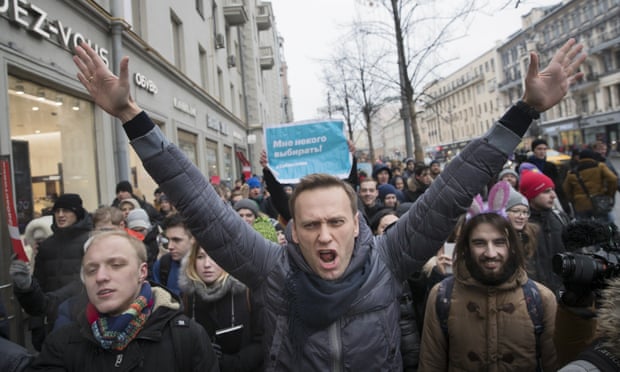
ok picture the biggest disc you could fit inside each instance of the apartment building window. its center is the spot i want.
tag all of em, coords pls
(220, 84)
(200, 8)
(233, 106)
(584, 103)
(202, 61)
(136, 16)
(177, 40)
(214, 16)
(589, 12)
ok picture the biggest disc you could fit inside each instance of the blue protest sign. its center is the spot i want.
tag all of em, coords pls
(298, 149)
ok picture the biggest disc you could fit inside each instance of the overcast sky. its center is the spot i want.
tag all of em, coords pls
(310, 27)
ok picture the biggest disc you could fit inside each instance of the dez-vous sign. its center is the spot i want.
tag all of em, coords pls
(35, 20)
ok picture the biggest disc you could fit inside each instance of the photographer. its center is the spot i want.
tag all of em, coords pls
(593, 259)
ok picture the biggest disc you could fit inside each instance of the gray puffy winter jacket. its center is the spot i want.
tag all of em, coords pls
(367, 337)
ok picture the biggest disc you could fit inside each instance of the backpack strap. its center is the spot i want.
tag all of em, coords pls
(442, 303)
(181, 342)
(535, 309)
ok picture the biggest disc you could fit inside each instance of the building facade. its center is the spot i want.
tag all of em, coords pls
(208, 72)
(464, 104)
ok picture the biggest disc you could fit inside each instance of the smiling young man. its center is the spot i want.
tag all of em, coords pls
(127, 324)
(488, 324)
(332, 296)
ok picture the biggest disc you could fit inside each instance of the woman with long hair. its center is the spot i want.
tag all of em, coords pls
(224, 307)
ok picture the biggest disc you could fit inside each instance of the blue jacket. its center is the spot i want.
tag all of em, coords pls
(367, 336)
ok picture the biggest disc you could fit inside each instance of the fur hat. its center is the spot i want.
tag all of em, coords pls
(71, 202)
(124, 186)
(516, 198)
(38, 229)
(247, 204)
(138, 218)
(533, 183)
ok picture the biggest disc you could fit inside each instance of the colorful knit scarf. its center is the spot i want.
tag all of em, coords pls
(116, 332)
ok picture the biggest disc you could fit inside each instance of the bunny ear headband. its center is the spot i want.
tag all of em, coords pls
(498, 199)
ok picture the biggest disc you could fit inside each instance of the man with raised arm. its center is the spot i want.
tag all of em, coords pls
(331, 298)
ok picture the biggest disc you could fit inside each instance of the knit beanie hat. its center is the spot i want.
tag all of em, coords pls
(247, 204)
(124, 186)
(71, 202)
(138, 218)
(386, 189)
(533, 182)
(516, 199)
(506, 171)
(253, 182)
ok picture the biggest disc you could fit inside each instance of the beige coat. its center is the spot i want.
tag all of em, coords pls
(489, 328)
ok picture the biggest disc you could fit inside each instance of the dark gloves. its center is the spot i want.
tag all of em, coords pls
(20, 273)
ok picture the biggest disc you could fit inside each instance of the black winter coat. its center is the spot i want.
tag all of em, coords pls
(73, 347)
(60, 256)
(539, 266)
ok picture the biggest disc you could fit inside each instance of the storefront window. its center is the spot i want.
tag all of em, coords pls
(52, 135)
(228, 164)
(187, 144)
(212, 159)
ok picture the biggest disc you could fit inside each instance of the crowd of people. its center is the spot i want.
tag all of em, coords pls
(412, 268)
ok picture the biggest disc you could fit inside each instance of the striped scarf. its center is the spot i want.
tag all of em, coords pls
(116, 332)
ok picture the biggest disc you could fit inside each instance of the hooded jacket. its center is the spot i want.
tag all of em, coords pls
(367, 335)
(489, 328)
(74, 348)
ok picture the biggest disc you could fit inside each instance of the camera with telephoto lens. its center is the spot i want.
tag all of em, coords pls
(587, 268)
(593, 254)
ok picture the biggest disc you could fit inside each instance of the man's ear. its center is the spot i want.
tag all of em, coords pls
(356, 221)
(294, 231)
(143, 271)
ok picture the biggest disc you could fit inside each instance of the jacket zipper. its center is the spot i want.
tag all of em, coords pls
(335, 339)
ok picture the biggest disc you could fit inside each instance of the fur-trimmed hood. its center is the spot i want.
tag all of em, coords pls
(609, 317)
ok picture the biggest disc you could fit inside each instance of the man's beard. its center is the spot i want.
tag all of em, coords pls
(493, 279)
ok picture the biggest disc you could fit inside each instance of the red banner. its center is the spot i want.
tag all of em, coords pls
(7, 194)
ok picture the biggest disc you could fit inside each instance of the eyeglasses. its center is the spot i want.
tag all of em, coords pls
(519, 212)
